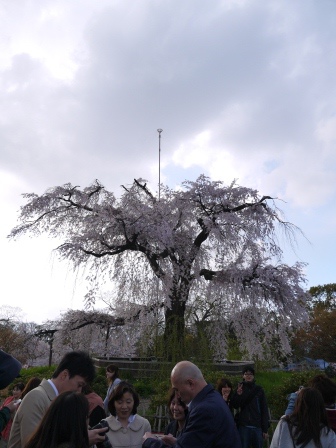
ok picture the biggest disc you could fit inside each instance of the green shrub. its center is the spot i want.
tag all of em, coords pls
(330, 371)
(144, 388)
(290, 382)
(277, 385)
(26, 374)
(99, 385)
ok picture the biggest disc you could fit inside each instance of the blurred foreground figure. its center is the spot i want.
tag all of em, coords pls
(9, 369)
(64, 425)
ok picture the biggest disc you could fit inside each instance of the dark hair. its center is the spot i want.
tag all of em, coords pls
(19, 386)
(77, 363)
(308, 418)
(325, 386)
(112, 368)
(224, 382)
(87, 389)
(173, 394)
(32, 383)
(117, 394)
(64, 422)
(248, 369)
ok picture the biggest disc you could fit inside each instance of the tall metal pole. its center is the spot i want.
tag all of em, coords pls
(157, 279)
(159, 131)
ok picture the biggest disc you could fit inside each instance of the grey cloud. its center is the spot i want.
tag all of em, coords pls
(179, 67)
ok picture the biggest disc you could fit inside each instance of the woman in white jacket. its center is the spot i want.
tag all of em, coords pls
(307, 426)
(126, 427)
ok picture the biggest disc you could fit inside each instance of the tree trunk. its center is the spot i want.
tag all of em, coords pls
(174, 335)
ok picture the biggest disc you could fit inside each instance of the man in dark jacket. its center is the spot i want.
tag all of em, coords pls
(252, 419)
(209, 423)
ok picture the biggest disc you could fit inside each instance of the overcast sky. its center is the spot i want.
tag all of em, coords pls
(242, 89)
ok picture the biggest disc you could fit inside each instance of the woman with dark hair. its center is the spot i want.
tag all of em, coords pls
(14, 398)
(112, 375)
(224, 387)
(178, 410)
(32, 383)
(126, 427)
(307, 426)
(327, 388)
(65, 424)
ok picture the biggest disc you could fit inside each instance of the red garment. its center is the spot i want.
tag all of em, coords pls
(94, 401)
(331, 416)
(6, 431)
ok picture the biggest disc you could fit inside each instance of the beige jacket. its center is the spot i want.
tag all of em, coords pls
(30, 413)
(130, 437)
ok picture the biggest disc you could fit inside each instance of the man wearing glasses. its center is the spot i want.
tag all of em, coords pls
(252, 417)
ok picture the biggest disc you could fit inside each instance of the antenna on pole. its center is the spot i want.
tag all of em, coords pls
(159, 131)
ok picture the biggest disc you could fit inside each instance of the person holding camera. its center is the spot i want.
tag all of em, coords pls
(327, 388)
(307, 426)
(15, 398)
(252, 418)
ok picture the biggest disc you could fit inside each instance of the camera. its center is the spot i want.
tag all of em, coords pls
(106, 443)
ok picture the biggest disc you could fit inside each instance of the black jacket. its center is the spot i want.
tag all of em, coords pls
(172, 428)
(252, 406)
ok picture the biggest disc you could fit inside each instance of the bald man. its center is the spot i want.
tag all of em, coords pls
(209, 423)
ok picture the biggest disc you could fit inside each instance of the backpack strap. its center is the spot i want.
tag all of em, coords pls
(290, 432)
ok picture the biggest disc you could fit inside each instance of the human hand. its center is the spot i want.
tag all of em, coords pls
(265, 435)
(12, 407)
(148, 435)
(240, 388)
(95, 437)
(225, 394)
(168, 439)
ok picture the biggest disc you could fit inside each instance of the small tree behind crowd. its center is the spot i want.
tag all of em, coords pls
(203, 242)
(101, 334)
(317, 338)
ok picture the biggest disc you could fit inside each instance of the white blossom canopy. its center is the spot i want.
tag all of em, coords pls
(205, 239)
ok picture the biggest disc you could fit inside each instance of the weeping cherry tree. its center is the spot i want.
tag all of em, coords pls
(204, 237)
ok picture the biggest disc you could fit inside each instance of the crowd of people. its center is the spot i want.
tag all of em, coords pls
(64, 411)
